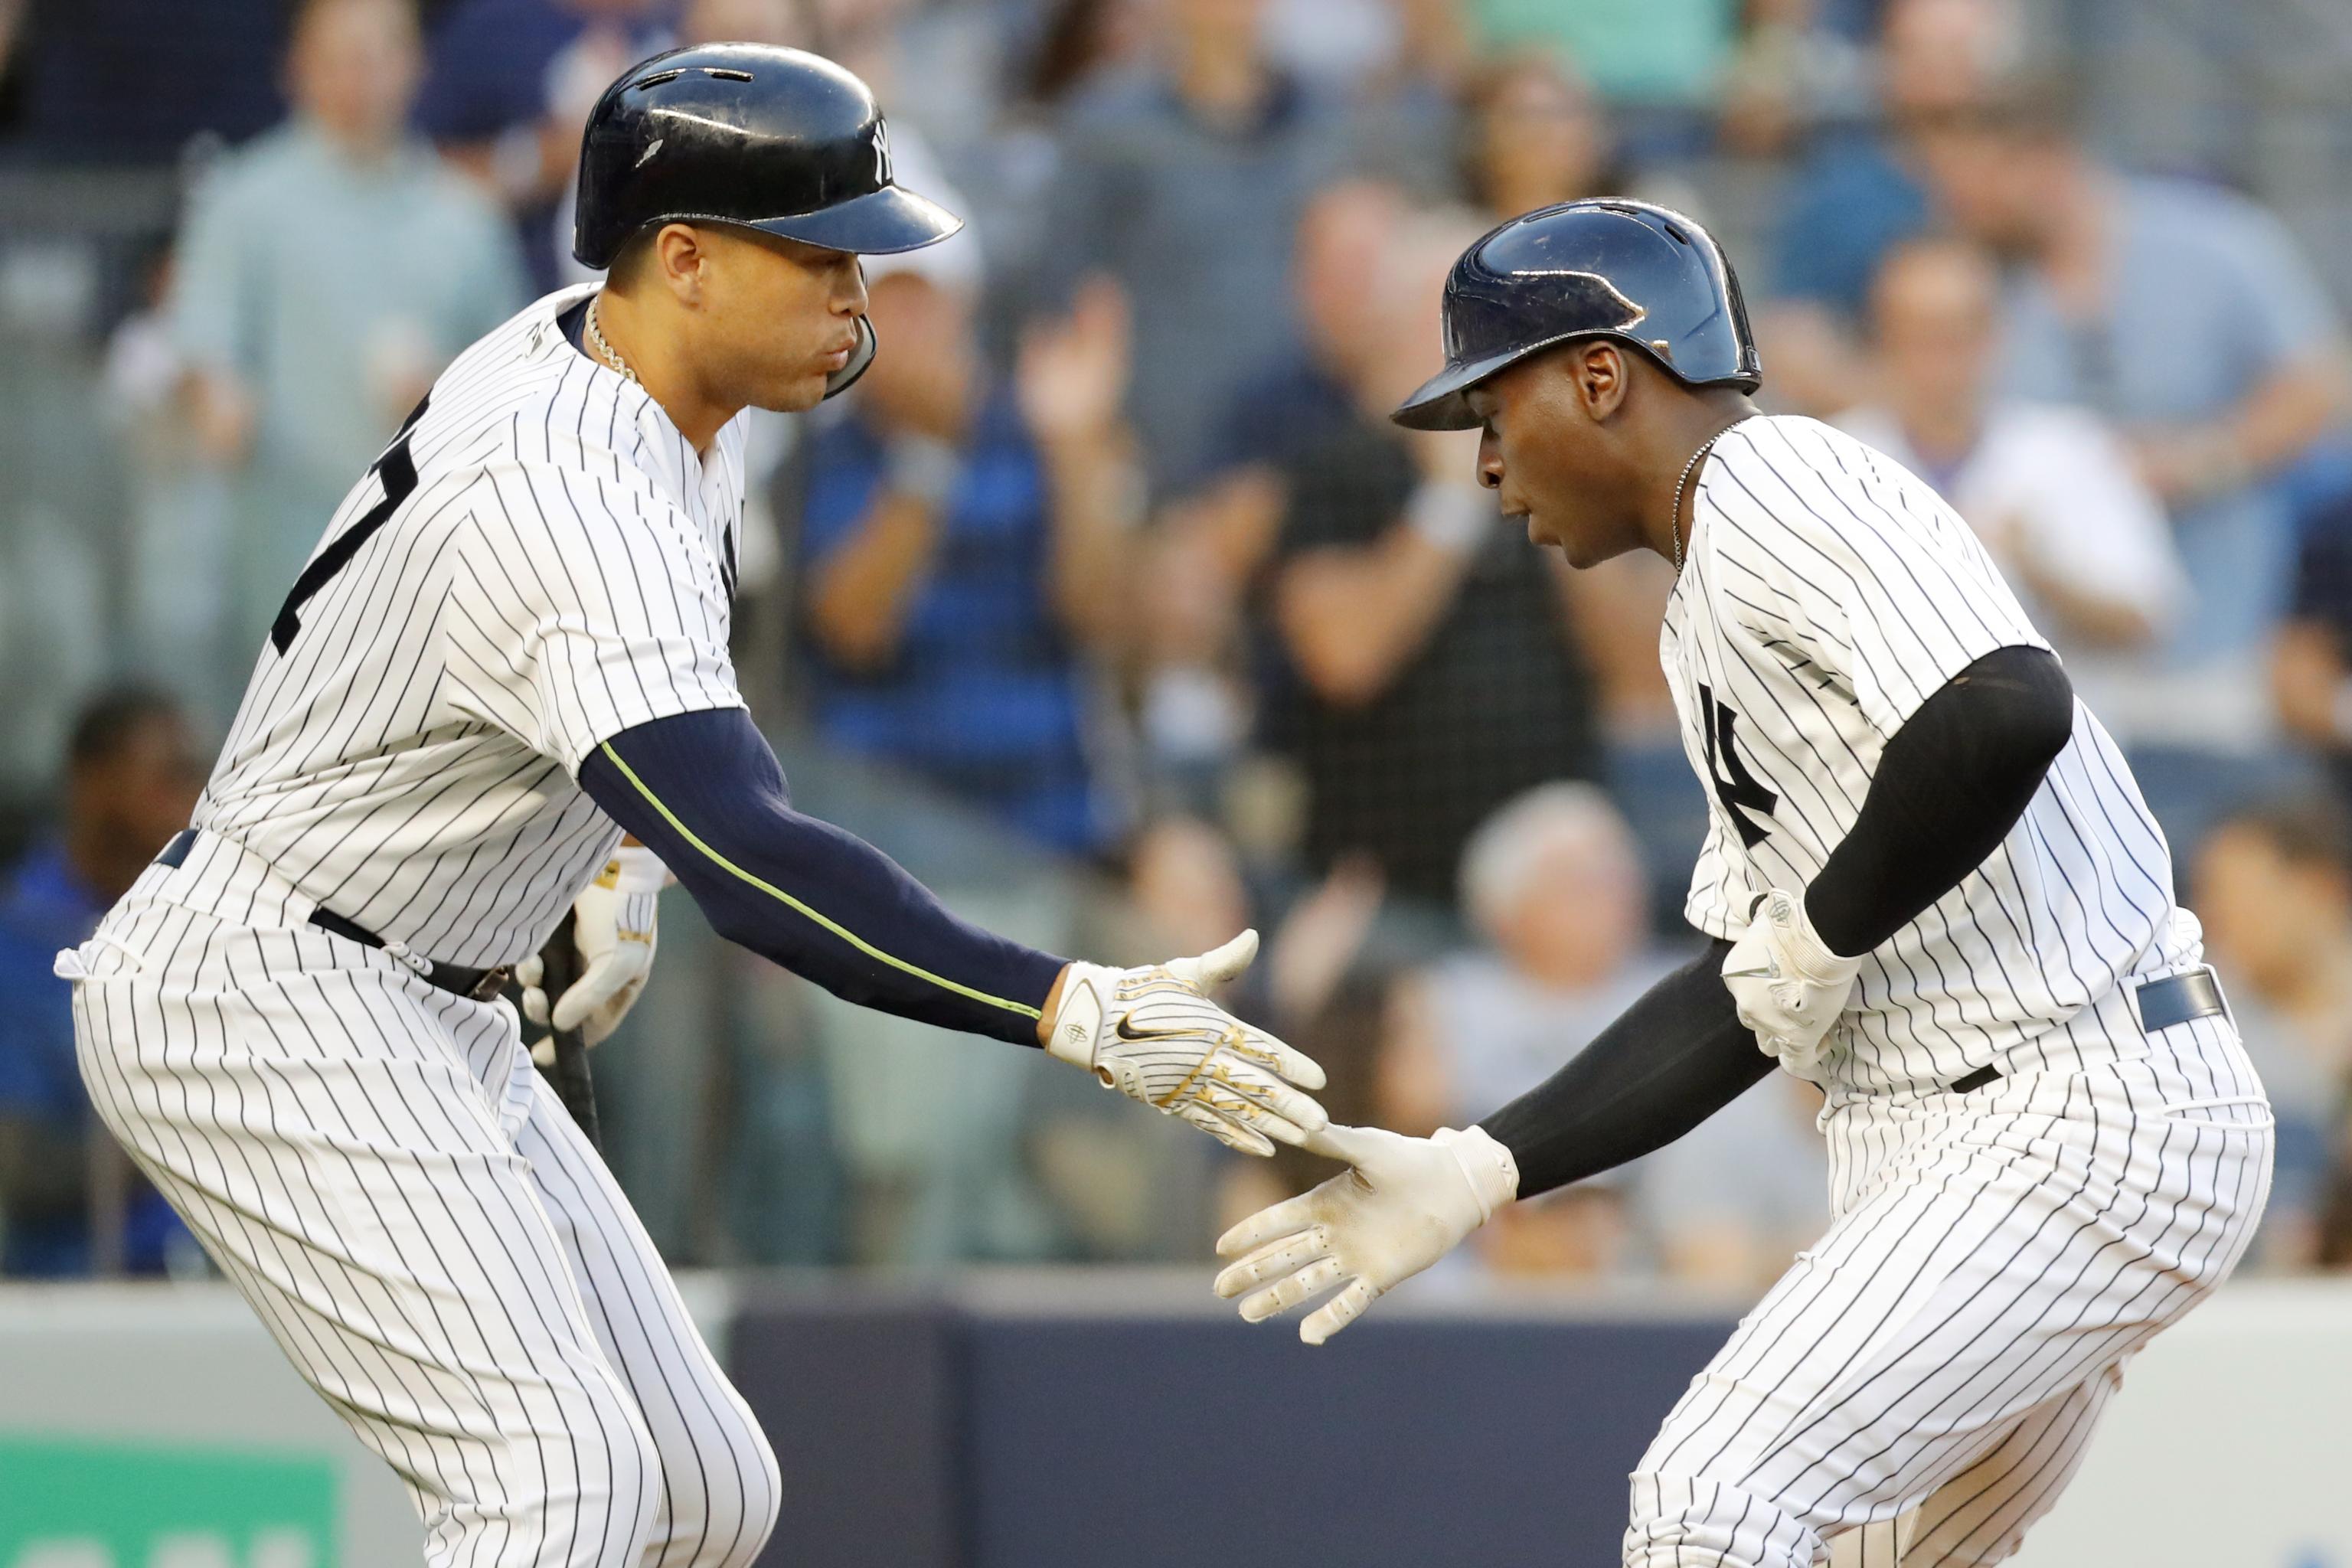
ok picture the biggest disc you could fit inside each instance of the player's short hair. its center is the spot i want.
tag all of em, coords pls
(630, 260)
(2309, 828)
(108, 721)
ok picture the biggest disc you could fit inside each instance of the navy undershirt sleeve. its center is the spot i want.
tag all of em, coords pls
(705, 792)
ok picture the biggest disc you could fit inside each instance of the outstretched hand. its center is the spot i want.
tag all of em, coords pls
(1152, 1033)
(1407, 1202)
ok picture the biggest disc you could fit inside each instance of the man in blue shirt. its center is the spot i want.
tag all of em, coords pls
(960, 550)
(131, 777)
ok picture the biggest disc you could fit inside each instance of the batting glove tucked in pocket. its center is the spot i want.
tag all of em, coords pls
(1152, 1033)
(613, 925)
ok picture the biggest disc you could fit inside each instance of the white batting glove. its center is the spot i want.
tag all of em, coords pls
(1153, 1035)
(1786, 983)
(612, 926)
(1408, 1203)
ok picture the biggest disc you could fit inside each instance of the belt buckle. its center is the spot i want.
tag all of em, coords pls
(492, 982)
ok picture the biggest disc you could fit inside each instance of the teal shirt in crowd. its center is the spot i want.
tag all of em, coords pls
(327, 286)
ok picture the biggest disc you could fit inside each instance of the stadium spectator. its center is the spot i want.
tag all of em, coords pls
(1534, 133)
(961, 551)
(1553, 885)
(1184, 179)
(2049, 488)
(2188, 317)
(177, 509)
(1857, 191)
(508, 91)
(2273, 886)
(1430, 667)
(132, 776)
(2311, 660)
(326, 274)
(1651, 51)
(1210, 545)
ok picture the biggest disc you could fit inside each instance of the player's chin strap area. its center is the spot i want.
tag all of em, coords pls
(860, 357)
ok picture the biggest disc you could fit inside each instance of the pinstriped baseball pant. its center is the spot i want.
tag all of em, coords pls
(427, 1236)
(1919, 1387)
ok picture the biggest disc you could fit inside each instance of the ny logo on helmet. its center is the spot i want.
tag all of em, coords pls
(881, 153)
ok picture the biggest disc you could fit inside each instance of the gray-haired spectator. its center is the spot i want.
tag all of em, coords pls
(328, 271)
(1553, 885)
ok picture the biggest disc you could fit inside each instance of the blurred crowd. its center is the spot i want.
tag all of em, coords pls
(1112, 603)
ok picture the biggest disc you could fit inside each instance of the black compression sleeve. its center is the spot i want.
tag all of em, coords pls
(1670, 1061)
(705, 792)
(1950, 785)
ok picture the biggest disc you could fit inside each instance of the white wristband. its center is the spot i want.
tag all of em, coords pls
(1455, 518)
(922, 469)
(1494, 1175)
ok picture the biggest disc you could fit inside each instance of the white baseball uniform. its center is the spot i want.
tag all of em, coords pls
(1932, 1368)
(539, 562)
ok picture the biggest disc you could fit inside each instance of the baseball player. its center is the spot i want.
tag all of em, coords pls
(1932, 889)
(511, 648)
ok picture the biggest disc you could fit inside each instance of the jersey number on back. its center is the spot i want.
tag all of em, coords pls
(397, 469)
(1735, 786)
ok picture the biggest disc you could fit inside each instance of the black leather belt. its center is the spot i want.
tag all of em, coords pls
(481, 984)
(2175, 999)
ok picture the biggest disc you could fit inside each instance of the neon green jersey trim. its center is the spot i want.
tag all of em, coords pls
(844, 932)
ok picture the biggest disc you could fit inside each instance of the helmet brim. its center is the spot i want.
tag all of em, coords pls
(880, 223)
(1443, 401)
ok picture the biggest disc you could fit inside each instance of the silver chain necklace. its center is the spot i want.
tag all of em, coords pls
(1675, 518)
(596, 336)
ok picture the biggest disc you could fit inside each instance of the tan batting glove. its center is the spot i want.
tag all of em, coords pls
(1408, 1203)
(612, 926)
(1152, 1033)
(1786, 983)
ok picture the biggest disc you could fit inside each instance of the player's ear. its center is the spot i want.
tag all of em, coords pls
(1600, 373)
(678, 258)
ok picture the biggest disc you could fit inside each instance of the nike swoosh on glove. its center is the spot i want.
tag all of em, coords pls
(1152, 1033)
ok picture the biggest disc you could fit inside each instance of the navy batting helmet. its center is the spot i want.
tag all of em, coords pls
(1611, 268)
(748, 134)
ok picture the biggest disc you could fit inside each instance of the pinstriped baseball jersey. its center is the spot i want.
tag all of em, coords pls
(539, 561)
(1826, 595)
